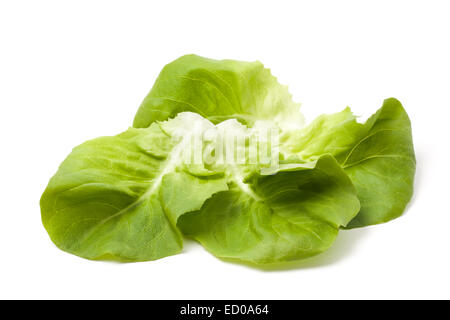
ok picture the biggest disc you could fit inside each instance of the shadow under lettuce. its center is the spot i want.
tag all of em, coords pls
(346, 242)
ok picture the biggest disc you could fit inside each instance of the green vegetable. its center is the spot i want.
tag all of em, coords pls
(378, 156)
(382, 165)
(133, 196)
(291, 215)
(120, 197)
(218, 90)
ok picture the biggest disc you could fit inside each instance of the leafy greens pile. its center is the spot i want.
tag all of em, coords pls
(133, 196)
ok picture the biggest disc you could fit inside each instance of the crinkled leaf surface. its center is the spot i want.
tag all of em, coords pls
(218, 90)
(286, 216)
(120, 197)
(333, 134)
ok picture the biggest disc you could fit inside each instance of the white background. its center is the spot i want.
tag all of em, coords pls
(75, 70)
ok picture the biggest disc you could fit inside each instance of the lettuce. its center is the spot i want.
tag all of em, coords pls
(218, 90)
(378, 156)
(287, 216)
(133, 196)
(120, 197)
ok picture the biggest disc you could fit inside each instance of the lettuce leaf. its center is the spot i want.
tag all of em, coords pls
(333, 134)
(122, 197)
(382, 165)
(119, 198)
(290, 215)
(131, 197)
(218, 90)
(378, 156)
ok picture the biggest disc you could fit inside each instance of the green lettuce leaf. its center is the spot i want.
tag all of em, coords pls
(382, 165)
(123, 197)
(333, 134)
(292, 214)
(218, 90)
(119, 198)
(378, 156)
(131, 197)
